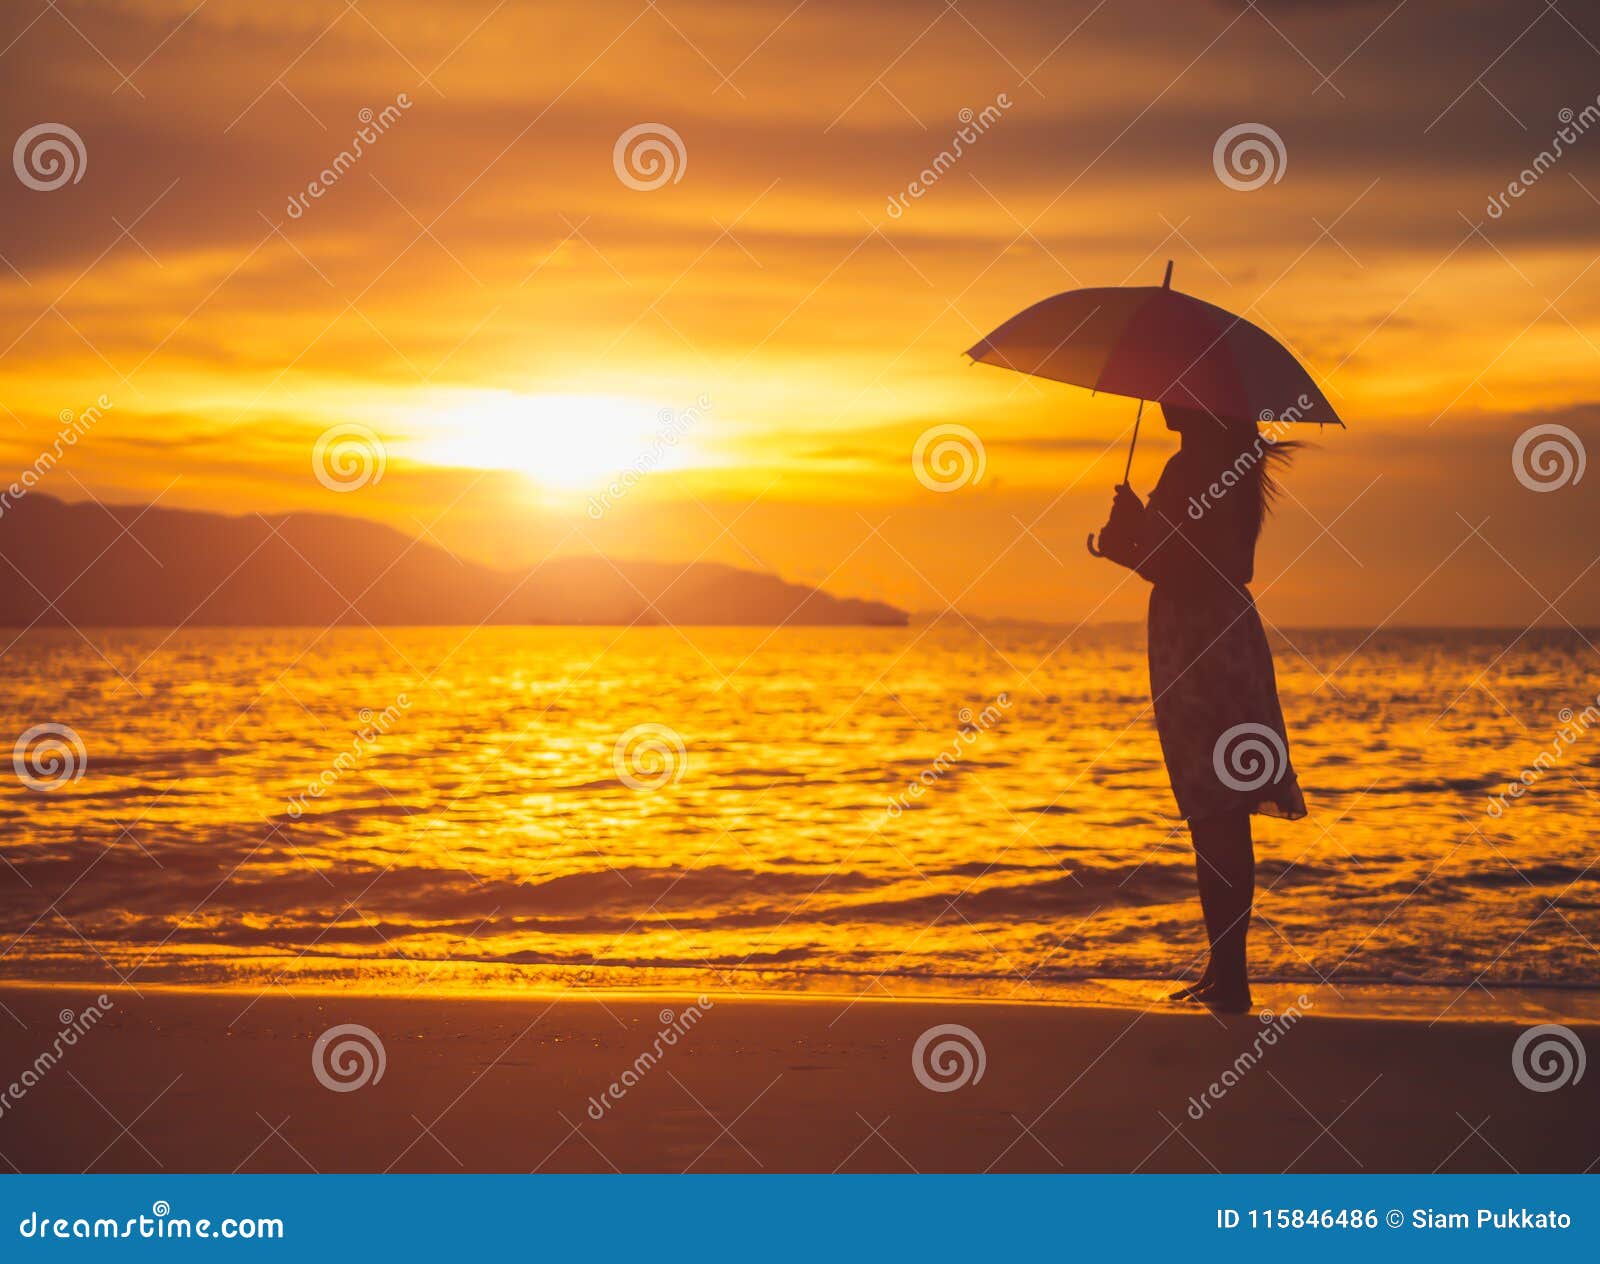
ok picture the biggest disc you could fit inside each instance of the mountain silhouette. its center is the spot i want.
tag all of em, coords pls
(118, 565)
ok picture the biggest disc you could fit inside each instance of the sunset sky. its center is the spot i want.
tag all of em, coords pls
(485, 293)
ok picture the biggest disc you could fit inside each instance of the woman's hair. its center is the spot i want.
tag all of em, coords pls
(1275, 456)
(1255, 456)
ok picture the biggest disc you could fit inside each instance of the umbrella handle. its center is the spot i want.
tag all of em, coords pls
(1091, 541)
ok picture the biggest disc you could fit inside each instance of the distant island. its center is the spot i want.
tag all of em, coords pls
(90, 564)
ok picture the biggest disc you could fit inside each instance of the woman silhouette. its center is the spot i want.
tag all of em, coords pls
(1211, 677)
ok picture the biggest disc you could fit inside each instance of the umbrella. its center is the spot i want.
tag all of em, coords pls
(1152, 342)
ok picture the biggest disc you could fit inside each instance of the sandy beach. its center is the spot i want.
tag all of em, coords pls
(197, 1081)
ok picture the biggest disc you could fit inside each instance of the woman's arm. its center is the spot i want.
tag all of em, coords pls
(1194, 549)
(1174, 548)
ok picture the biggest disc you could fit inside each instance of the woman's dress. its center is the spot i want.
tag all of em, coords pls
(1211, 674)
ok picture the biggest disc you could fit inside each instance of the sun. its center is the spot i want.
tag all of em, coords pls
(563, 442)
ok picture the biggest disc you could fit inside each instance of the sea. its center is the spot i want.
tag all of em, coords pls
(958, 809)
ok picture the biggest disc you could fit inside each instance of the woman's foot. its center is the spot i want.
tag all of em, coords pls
(1225, 998)
(1191, 991)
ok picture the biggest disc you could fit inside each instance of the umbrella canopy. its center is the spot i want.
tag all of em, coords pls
(1154, 343)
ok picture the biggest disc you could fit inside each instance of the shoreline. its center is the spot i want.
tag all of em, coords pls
(1396, 1001)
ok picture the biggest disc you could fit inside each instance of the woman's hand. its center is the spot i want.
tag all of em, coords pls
(1119, 537)
(1126, 507)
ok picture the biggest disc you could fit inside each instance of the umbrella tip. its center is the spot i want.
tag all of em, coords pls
(1166, 281)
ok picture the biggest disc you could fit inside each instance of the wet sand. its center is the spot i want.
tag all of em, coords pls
(195, 1081)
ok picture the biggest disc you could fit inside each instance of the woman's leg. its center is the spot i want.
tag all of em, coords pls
(1225, 866)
